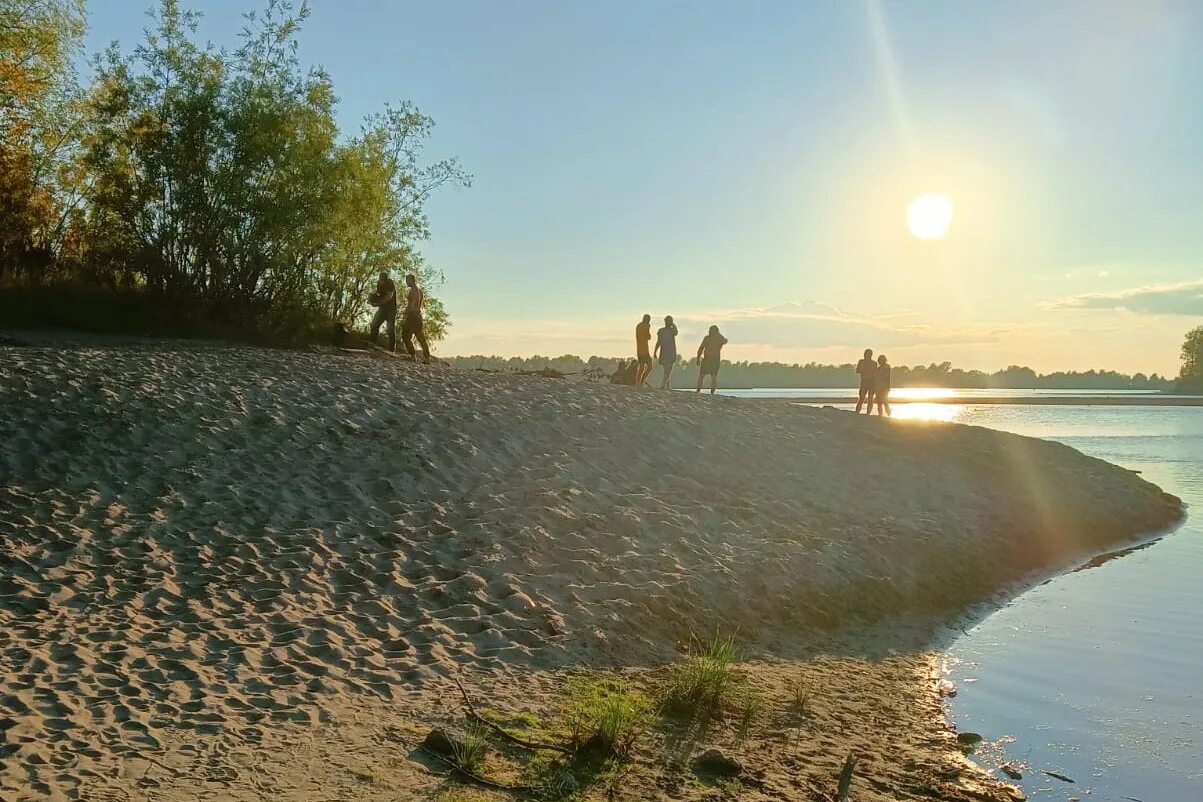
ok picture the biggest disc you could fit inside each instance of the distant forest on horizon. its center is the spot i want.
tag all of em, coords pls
(748, 375)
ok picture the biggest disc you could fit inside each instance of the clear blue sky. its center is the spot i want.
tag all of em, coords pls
(750, 164)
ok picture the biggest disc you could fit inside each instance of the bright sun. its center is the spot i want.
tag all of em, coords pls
(929, 216)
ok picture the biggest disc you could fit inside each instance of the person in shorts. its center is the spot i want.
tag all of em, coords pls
(643, 338)
(710, 354)
(412, 324)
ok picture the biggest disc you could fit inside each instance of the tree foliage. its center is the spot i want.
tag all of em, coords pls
(814, 375)
(1192, 357)
(220, 184)
(39, 126)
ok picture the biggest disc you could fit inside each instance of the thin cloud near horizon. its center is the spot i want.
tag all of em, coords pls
(1184, 299)
(813, 324)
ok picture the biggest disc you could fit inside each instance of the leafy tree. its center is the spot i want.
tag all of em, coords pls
(220, 182)
(1192, 357)
(40, 183)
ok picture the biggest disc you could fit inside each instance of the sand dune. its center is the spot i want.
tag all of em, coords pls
(204, 544)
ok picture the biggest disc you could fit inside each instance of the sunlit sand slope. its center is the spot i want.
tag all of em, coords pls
(201, 541)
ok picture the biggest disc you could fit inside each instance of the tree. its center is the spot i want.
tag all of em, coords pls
(1192, 358)
(40, 184)
(221, 185)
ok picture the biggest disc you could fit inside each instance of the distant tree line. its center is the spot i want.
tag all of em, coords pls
(747, 375)
(214, 186)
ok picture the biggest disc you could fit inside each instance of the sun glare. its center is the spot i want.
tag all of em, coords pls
(929, 216)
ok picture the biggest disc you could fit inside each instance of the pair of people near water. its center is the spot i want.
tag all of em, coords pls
(412, 324)
(709, 356)
(874, 384)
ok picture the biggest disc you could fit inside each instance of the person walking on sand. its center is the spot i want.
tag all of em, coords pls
(709, 357)
(666, 349)
(866, 369)
(385, 301)
(881, 387)
(412, 324)
(643, 336)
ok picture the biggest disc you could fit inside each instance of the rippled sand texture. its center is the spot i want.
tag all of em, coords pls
(199, 542)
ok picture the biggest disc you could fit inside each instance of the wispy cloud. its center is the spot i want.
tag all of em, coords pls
(817, 325)
(1168, 299)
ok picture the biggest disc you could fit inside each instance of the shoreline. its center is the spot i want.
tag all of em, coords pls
(273, 547)
(1068, 400)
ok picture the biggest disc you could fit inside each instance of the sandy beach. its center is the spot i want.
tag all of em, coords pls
(235, 573)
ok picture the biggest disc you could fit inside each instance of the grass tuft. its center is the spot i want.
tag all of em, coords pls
(606, 715)
(706, 681)
(801, 697)
(751, 710)
(552, 779)
(469, 749)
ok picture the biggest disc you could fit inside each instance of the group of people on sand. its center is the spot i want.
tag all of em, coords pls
(874, 384)
(639, 371)
(384, 298)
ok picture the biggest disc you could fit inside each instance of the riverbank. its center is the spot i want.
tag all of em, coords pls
(234, 567)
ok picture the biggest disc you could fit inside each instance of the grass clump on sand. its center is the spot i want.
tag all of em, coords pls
(556, 779)
(751, 710)
(706, 682)
(801, 697)
(469, 749)
(606, 715)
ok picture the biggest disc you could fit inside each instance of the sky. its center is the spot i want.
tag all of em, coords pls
(750, 164)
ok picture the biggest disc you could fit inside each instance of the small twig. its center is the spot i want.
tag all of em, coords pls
(172, 771)
(502, 732)
(473, 776)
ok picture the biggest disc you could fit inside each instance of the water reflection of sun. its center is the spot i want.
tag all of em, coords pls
(926, 412)
(921, 393)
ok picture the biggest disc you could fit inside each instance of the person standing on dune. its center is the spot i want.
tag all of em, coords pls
(666, 349)
(412, 324)
(866, 369)
(709, 357)
(643, 337)
(881, 387)
(385, 300)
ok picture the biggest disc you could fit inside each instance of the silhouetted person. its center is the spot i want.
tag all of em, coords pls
(643, 338)
(710, 354)
(412, 323)
(881, 387)
(385, 299)
(867, 370)
(666, 349)
(627, 372)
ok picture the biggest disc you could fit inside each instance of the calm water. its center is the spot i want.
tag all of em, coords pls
(1098, 673)
(802, 393)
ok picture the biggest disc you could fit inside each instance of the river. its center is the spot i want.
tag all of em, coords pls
(1097, 674)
